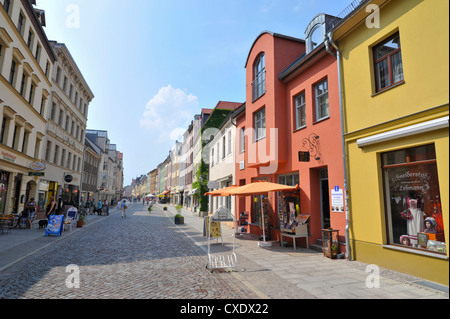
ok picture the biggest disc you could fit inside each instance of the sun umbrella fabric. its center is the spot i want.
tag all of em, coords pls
(260, 188)
(222, 192)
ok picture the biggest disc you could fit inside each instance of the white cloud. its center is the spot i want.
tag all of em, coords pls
(169, 113)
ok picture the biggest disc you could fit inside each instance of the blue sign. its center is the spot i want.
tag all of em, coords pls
(336, 188)
(55, 225)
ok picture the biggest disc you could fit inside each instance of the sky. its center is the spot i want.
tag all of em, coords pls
(153, 64)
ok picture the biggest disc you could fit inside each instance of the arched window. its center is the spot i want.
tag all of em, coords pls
(259, 82)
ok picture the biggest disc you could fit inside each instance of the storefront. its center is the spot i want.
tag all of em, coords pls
(399, 210)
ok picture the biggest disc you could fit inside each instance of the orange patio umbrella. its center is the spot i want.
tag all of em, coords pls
(260, 188)
(222, 192)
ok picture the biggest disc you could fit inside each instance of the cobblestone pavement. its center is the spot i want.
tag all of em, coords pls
(146, 256)
(141, 256)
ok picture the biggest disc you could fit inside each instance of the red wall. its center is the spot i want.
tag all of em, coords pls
(278, 101)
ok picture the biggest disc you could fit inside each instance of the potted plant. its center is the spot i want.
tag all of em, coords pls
(165, 208)
(179, 219)
(80, 221)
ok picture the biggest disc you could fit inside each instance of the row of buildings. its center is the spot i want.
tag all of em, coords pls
(45, 148)
(355, 114)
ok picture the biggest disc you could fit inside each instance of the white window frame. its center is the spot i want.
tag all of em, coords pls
(298, 108)
(260, 124)
(318, 96)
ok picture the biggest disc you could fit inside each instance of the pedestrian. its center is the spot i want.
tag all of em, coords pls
(124, 209)
(51, 207)
(99, 208)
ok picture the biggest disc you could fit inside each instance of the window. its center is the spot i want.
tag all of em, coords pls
(322, 106)
(37, 54)
(30, 39)
(260, 124)
(7, 5)
(21, 24)
(47, 151)
(4, 130)
(31, 96)
(229, 142)
(55, 158)
(37, 148)
(388, 63)
(12, 73)
(300, 111)
(412, 198)
(223, 147)
(242, 140)
(315, 38)
(15, 141)
(259, 83)
(26, 134)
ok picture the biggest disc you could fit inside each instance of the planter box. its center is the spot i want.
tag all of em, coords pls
(179, 220)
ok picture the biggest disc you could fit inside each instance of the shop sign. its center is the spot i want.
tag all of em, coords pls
(36, 174)
(68, 178)
(55, 225)
(8, 157)
(337, 200)
(303, 156)
(37, 166)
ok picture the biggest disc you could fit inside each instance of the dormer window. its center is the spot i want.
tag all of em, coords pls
(315, 37)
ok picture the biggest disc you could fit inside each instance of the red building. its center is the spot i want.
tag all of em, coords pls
(292, 112)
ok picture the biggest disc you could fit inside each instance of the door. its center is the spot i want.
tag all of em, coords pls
(325, 198)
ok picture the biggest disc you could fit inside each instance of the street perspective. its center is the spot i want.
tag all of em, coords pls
(219, 159)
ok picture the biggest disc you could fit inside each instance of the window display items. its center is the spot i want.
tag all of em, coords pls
(413, 209)
(430, 225)
(404, 239)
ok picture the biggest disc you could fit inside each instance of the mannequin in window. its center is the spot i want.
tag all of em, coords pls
(404, 240)
(398, 205)
(416, 215)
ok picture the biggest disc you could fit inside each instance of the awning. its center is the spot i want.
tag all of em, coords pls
(222, 192)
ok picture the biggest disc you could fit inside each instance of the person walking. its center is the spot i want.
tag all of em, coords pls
(124, 209)
(99, 208)
(51, 207)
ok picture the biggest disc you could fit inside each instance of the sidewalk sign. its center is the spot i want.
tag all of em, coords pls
(55, 225)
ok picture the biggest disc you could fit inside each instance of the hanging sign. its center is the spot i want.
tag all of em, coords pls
(303, 157)
(55, 225)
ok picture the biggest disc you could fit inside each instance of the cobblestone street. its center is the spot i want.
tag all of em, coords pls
(141, 256)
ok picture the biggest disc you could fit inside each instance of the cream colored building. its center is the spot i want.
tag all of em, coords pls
(63, 148)
(222, 163)
(26, 65)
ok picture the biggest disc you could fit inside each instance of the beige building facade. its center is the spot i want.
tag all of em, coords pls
(26, 65)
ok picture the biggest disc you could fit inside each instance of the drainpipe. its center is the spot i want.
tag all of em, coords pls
(328, 42)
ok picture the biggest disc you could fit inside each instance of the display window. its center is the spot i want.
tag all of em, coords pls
(413, 208)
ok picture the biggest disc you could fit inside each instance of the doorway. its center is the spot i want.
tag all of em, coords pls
(324, 198)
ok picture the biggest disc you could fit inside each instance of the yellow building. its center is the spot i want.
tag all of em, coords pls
(394, 66)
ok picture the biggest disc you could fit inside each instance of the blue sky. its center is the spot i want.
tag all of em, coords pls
(153, 64)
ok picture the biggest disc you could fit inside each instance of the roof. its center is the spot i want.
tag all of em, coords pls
(275, 35)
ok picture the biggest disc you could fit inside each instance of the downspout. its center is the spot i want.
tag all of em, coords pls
(328, 41)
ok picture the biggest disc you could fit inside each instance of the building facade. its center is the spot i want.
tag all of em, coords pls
(26, 65)
(64, 142)
(396, 134)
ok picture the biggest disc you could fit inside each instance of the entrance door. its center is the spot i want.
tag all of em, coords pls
(324, 198)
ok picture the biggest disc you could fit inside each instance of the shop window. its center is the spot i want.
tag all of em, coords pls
(388, 63)
(413, 207)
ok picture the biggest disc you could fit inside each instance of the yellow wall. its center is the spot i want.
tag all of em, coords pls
(423, 26)
(424, 32)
